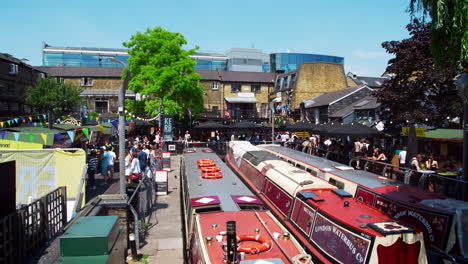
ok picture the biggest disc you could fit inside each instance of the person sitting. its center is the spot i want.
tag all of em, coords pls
(432, 164)
(415, 162)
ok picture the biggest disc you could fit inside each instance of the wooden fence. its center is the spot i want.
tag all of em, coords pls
(30, 227)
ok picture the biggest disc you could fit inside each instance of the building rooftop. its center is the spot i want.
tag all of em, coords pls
(62, 71)
(368, 102)
(373, 82)
(237, 76)
(329, 98)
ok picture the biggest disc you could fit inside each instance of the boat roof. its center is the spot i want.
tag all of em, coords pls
(356, 215)
(246, 223)
(226, 191)
(359, 176)
(379, 184)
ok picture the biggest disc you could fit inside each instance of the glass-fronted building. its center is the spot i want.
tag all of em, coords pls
(290, 61)
(210, 61)
(82, 57)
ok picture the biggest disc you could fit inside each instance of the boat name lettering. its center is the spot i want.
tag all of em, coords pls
(4, 145)
(421, 218)
(323, 228)
(347, 242)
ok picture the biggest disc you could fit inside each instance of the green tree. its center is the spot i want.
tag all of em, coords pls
(50, 95)
(161, 68)
(449, 32)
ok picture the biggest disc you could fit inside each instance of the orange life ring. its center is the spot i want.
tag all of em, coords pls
(205, 160)
(212, 175)
(201, 165)
(210, 169)
(266, 244)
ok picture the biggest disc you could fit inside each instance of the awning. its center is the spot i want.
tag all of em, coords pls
(240, 100)
(105, 93)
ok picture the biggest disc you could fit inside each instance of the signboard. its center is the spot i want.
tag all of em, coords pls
(420, 131)
(245, 94)
(166, 161)
(172, 147)
(339, 243)
(167, 123)
(94, 137)
(161, 181)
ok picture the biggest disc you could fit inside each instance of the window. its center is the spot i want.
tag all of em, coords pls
(255, 88)
(101, 105)
(215, 109)
(59, 79)
(13, 69)
(215, 86)
(235, 88)
(86, 81)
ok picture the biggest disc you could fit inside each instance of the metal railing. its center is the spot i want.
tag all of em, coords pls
(32, 226)
(141, 204)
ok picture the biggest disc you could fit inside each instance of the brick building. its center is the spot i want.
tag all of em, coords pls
(233, 94)
(101, 85)
(309, 80)
(15, 76)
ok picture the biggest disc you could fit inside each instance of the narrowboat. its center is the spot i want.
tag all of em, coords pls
(437, 217)
(224, 222)
(334, 226)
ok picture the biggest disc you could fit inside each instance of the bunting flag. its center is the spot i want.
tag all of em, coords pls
(71, 134)
(2, 134)
(44, 138)
(40, 124)
(31, 137)
(115, 123)
(38, 117)
(101, 128)
(22, 118)
(86, 132)
(58, 119)
(16, 135)
(45, 116)
(35, 124)
(30, 118)
(57, 136)
(1, 124)
(8, 122)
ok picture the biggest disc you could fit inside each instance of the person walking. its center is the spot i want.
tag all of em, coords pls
(104, 163)
(92, 167)
(142, 158)
(111, 161)
(128, 162)
(135, 170)
(403, 157)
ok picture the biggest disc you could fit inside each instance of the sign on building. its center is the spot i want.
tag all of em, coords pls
(420, 132)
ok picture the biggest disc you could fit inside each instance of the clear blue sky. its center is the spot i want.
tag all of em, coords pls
(353, 29)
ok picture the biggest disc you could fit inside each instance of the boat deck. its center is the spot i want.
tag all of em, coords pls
(205, 190)
(246, 223)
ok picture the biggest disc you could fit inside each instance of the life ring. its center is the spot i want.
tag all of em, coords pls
(210, 169)
(212, 175)
(201, 165)
(266, 244)
(205, 160)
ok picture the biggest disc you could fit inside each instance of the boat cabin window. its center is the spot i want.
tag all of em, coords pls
(338, 184)
(207, 209)
(251, 207)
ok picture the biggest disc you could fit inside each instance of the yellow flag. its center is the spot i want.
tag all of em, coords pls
(30, 118)
(44, 138)
(1, 124)
(101, 128)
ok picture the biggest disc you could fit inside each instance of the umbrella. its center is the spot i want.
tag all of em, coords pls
(245, 125)
(301, 126)
(356, 130)
(211, 125)
(323, 129)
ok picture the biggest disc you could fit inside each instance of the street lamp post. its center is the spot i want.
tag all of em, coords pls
(121, 126)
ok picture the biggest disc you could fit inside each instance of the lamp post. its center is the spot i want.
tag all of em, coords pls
(462, 85)
(121, 126)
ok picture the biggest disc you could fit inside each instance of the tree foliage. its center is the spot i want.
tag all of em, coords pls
(161, 68)
(449, 29)
(419, 91)
(49, 95)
